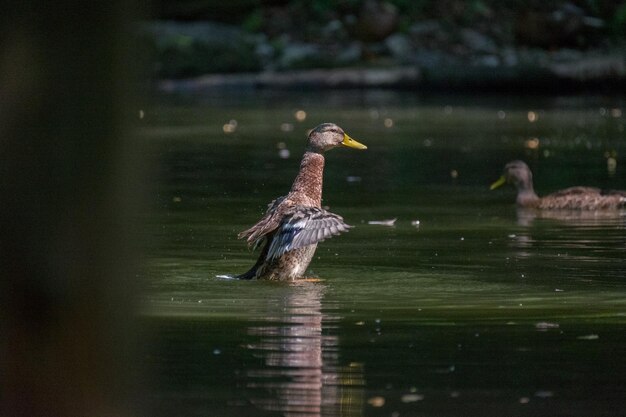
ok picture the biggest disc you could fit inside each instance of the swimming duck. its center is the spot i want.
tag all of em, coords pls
(576, 198)
(294, 224)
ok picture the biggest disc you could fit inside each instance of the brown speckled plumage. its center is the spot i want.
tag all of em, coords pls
(573, 198)
(294, 224)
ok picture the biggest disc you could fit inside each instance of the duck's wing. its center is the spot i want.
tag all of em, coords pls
(303, 226)
(575, 192)
(619, 193)
(274, 214)
(586, 198)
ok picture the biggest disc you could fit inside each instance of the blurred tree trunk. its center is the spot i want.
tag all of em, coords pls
(68, 188)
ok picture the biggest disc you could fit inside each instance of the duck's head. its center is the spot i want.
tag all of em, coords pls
(327, 136)
(516, 173)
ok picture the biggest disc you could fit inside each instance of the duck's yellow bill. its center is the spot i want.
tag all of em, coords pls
(498, 183)
(351, 143)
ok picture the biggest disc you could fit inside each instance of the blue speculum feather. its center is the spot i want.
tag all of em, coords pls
(282, 242)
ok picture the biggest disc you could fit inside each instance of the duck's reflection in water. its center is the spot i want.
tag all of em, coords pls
(571, 234)
(526, 216)
(300, 373)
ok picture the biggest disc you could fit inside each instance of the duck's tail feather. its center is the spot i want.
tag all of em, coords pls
(252, 272)
(248, 275)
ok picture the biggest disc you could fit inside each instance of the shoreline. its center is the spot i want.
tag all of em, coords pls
(598, 73)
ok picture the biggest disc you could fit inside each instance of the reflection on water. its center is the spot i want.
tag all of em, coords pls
(301, 375)
(573, 245)
(526, 216)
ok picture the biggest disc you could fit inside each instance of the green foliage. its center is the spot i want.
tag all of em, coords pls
(254, 21)
(618, 25)
(183, 56)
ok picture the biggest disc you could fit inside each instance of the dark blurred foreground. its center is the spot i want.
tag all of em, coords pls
(68, 185)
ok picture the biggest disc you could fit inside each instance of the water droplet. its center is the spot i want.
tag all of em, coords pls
(532, 143)
(300, 115)
(376, 401)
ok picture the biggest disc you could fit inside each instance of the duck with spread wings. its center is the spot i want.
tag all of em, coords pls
(294, 224)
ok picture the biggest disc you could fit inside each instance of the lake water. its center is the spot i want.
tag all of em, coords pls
(480, 310)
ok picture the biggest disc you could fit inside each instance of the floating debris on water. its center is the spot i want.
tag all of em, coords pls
(544, 394)
(376, 401)
(225, 277)
(389, 222)
(545, 325)
(588, 337)
(447, 370)
(411, 398)
(415, 223)
(228, 128)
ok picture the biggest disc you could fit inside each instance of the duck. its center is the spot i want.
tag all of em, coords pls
(518, 174)
(294, 224)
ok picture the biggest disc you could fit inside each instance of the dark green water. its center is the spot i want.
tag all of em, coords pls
(480, 311)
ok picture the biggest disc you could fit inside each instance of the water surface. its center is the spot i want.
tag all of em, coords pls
(480, 310)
